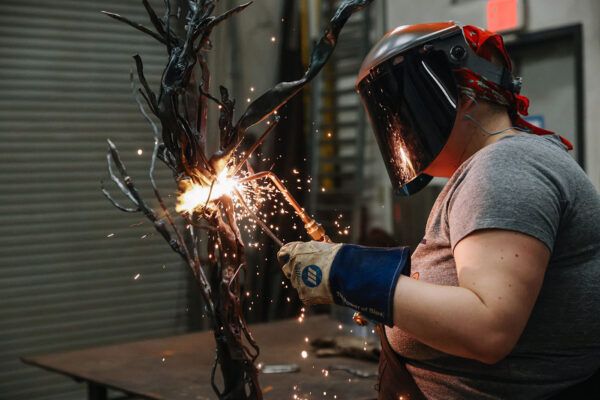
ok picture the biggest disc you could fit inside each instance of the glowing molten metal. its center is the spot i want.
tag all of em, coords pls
(197, 196)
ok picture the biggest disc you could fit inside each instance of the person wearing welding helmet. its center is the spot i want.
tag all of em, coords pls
(500, 299)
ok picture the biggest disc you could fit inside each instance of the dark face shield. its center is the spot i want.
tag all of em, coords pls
(411, 100)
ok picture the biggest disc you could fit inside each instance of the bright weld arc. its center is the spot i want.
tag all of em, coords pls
(196, 196)
(192, 198)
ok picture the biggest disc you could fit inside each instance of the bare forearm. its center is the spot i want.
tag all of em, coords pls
(448, 318)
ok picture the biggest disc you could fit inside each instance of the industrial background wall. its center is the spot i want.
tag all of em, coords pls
(74, 271)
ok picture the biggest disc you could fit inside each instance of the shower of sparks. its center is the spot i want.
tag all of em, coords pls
(263, 199)
(256, 199)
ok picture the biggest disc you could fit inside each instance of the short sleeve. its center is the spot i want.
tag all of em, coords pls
(506, 187)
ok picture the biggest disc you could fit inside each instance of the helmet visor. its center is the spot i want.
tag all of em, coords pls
(411, 102)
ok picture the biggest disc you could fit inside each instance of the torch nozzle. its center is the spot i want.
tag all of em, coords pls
(316, 231)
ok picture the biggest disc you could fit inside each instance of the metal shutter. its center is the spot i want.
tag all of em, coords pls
(69, 259)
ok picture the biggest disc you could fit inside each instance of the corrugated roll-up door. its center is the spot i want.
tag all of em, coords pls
(75, 271)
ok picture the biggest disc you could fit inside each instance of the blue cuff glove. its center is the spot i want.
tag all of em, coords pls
(364, 278)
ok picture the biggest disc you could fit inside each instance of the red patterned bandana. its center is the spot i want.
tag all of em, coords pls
(482, 42)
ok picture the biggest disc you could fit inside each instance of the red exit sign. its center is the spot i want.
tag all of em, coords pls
(505, 15)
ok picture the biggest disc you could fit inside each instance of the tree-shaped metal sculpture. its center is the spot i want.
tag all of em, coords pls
(181, 106)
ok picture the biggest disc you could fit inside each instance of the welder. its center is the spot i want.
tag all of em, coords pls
(501, 298)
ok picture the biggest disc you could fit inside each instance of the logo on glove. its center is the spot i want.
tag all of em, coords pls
(312, 276)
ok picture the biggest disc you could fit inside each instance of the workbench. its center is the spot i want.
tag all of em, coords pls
(178, 367)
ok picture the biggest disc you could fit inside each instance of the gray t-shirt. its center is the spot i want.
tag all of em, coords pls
(529, 184)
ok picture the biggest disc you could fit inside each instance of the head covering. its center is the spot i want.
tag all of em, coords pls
(484, 43)
(410, 84)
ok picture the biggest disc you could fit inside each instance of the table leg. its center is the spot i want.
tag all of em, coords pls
(97, 392)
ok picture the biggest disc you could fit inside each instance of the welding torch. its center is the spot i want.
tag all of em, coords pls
(313, 228)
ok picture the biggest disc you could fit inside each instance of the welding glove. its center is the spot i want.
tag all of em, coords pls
(362, 278)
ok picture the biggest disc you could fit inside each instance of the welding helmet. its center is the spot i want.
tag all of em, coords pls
(409, 91)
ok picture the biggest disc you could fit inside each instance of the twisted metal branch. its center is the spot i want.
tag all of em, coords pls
(181, 108)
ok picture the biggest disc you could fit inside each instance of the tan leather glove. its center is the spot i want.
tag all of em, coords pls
(307, 267)
(362, 278)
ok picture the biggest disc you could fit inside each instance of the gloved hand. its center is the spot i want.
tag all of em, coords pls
(307, 267)
(362, 278)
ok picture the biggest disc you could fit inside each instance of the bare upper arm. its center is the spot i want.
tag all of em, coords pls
(505, 269)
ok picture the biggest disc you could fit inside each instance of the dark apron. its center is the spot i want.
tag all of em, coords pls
(394, 382)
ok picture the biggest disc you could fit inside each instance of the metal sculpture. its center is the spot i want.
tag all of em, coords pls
(181, 108)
